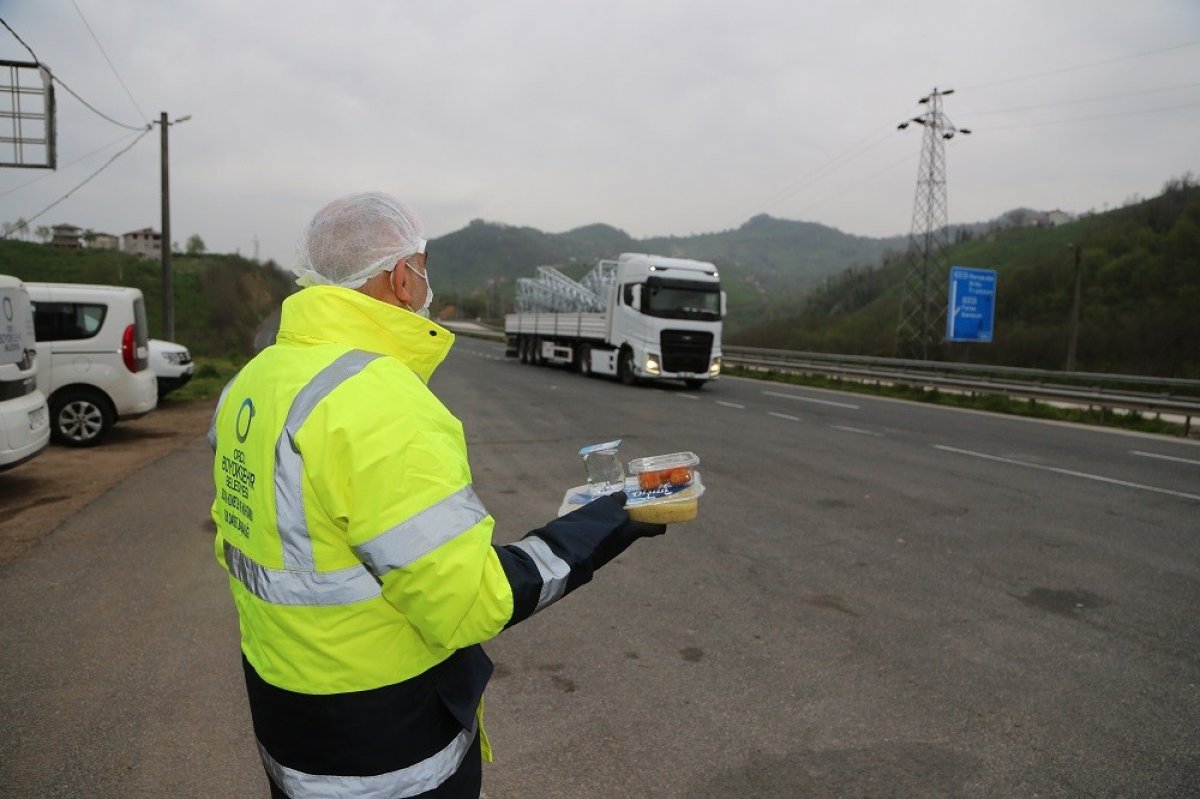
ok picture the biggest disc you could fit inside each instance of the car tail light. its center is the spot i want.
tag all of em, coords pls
(129, 349)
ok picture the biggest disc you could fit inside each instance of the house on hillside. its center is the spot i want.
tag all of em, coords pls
(144, 243)
(104, 241)
(66, 237)
(1048, 219)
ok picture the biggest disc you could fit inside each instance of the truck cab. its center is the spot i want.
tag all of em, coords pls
(666, 319)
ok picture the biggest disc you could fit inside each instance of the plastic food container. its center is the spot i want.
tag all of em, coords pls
(676, 469)
(668, 504)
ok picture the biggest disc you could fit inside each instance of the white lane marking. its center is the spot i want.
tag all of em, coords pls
(1069, 472)
(689, 396)
(811, 399)
(858, 430)
(1164, 457)
(730, 404)
(789, 417)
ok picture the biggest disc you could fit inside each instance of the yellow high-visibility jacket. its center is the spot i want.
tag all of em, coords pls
(360, 559)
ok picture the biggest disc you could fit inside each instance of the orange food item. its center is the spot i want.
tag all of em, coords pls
(648, 481)
(680, 476)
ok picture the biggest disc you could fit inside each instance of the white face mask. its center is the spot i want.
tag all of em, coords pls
(424, 309)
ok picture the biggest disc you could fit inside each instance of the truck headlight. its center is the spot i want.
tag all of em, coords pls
(652, 366)
(715, 368)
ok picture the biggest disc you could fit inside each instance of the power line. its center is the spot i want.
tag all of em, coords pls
(860, 182)
(45, 175)
(109, 60)
(1096, 117)
(1081, 66)
(95, 110)
(841, 159)
(86, 180)
(19, 39)
(69, 90)
(1086, 100)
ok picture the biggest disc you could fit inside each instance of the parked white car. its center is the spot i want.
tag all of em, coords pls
(172, 365)
(92, 346)
(24, 416)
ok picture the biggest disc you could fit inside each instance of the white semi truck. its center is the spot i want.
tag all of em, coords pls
(640, 317)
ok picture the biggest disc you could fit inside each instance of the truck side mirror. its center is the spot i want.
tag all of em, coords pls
(635, 292)
(723, 303)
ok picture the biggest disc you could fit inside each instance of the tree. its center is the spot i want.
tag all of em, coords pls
(44, 233)
(195, 245)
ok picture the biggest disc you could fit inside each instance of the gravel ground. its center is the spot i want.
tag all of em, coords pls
(39, 495)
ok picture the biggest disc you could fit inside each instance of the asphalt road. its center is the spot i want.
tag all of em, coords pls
(878, 599)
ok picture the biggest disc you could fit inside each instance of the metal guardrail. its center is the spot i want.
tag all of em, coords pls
(1037, 384)
(1011, 381)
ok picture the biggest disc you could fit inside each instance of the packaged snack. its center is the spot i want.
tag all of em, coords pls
(654, 472)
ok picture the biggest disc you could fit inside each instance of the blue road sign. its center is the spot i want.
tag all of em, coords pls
(971, 315)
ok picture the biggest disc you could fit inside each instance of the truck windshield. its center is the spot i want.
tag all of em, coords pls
(682, 299)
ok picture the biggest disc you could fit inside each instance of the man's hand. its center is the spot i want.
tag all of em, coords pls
(623, 535)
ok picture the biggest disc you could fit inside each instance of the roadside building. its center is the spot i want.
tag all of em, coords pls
(66, 237)
(104, 241)
(144, 243)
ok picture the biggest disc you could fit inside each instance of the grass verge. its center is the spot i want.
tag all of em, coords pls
(210, 377)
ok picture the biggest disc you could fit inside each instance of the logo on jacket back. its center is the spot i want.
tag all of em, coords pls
(246, 412)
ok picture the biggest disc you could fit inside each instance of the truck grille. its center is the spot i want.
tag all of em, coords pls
(686, 350)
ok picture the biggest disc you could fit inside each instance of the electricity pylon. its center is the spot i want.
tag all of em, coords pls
(927, 269)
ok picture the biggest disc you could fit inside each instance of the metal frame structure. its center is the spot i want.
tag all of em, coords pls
(553, 292)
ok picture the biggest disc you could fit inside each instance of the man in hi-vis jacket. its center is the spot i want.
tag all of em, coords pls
(360, 559)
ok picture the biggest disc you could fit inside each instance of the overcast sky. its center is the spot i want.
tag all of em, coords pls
(661, 117)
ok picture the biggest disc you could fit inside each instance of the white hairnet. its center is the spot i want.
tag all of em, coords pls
(355, 238)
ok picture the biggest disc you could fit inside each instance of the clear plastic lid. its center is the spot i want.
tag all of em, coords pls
(676, 469)
(657, 463)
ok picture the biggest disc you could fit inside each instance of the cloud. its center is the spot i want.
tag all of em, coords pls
(665, 118)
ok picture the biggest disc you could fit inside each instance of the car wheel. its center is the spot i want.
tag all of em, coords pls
(80, 418)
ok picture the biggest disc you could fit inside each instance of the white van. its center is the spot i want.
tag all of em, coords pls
(93, 351)
(24, 418)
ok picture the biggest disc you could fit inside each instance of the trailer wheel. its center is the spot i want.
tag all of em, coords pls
(625, 368)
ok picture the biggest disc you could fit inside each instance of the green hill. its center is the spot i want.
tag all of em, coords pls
(766, 263)
(220, 300)
(1139, 303)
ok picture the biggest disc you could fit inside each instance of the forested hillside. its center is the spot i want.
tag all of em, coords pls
(1140, 301)
(766, 264)
(219, 299)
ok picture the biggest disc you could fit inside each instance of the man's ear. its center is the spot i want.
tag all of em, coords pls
(401, 284)
(379, 287)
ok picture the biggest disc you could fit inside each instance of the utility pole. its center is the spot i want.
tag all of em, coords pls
(1074, 339)
(923, 294)
(168, 298)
